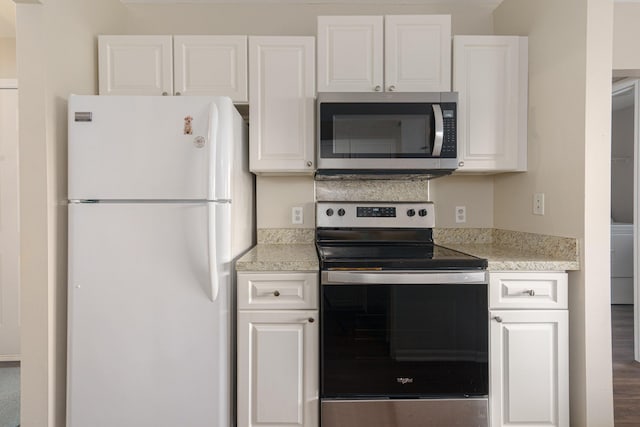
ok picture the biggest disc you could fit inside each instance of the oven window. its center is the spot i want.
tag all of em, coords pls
(384, 130)
(404, 340)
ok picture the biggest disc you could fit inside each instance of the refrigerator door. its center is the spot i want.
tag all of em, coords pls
(149, 147)
(147, 346)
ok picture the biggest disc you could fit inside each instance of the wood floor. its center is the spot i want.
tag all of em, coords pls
(626, 371)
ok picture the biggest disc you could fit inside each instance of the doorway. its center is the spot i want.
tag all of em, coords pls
(9, 257)
(625, 152)
(625, 215)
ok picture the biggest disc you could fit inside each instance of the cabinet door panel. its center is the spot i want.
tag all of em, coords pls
(350, 53)
(277, 368)
(529, 368)
(135, 65)
(489, 72)
(211, 65)
(282, 93)
(418, 53)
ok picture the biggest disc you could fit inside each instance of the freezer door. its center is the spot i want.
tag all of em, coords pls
(149, 147)
(147, 345)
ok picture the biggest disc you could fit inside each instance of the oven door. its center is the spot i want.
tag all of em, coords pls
(404, 335)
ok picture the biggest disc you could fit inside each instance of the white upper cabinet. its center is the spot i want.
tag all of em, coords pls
(206, 65)
(282, 92)
(490, 74)
(178, 65)
(350, 57)
(410, 53)
(417, 53)
(135, 65)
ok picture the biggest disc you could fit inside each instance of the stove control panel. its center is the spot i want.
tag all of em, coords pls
(375, 214)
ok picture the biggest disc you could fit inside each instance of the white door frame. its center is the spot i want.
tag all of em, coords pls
(619, 87)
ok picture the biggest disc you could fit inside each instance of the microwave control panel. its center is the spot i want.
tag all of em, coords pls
(449, 118)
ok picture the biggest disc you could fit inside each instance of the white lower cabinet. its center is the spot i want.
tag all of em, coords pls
(529, 353)
(277, 360)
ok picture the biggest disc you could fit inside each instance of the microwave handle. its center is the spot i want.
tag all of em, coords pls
(439, 134)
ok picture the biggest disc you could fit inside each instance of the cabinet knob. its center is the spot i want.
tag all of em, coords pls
(377, 88)
(178, 94)
(311, 320)
(309, 163)
(531, 292)
(498, 319)
(276, 293)
(392, 88)
(164, 94)
(460, 164)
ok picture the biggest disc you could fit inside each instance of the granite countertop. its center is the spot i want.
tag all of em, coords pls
(502, 258)
(294, 250)
(280, 257)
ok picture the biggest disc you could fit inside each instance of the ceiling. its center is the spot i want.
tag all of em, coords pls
(7, 18)
(8, 8)
(493, 3)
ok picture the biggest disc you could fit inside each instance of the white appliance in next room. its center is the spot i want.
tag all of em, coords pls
(160, 206)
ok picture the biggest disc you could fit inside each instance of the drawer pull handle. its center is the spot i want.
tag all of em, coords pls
(498, 319)
(531, 292)
(311, 319)
(276, 293)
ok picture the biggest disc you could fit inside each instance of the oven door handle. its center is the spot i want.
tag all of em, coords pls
(402, 278)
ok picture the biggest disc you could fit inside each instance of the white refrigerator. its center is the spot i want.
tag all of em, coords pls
(161, 203)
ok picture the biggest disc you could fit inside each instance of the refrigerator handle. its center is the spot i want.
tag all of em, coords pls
(213, 150)
(211, 245)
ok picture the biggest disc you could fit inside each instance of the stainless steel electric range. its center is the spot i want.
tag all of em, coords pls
(404, 322)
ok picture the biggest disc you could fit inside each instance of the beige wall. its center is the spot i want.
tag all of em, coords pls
(8, 58)
(56, 56)
(569, 143)
(626, 55)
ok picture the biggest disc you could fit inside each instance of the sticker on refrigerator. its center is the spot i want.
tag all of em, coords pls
(188, 130)
(199, 141)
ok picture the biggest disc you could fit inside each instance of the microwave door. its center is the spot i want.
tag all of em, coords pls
(438, 134)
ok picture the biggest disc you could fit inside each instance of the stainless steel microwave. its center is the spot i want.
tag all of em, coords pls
(390, 133)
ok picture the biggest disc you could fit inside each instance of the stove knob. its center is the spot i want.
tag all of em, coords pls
(422, 212)
(329, 212)
(411, 212)
(341, 212)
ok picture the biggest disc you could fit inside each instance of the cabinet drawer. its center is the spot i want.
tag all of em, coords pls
(528, 290)
(277, 291)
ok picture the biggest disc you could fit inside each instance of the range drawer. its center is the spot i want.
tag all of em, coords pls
(277, 291)
(528, 290)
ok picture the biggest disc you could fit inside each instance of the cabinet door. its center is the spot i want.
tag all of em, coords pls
(278, 368)
(529, 368)
(9, 225)
(490, 76)
(135, 65)
(211, 65)
(417, 54)
(350, 54)
(282, 93)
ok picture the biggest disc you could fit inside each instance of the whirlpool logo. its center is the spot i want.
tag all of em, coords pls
(403, 380)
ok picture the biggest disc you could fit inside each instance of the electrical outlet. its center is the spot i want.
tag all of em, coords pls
(461, 214)
(296, 215)
(538, 204)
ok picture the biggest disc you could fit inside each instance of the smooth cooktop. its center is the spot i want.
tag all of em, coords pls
(395, 256)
